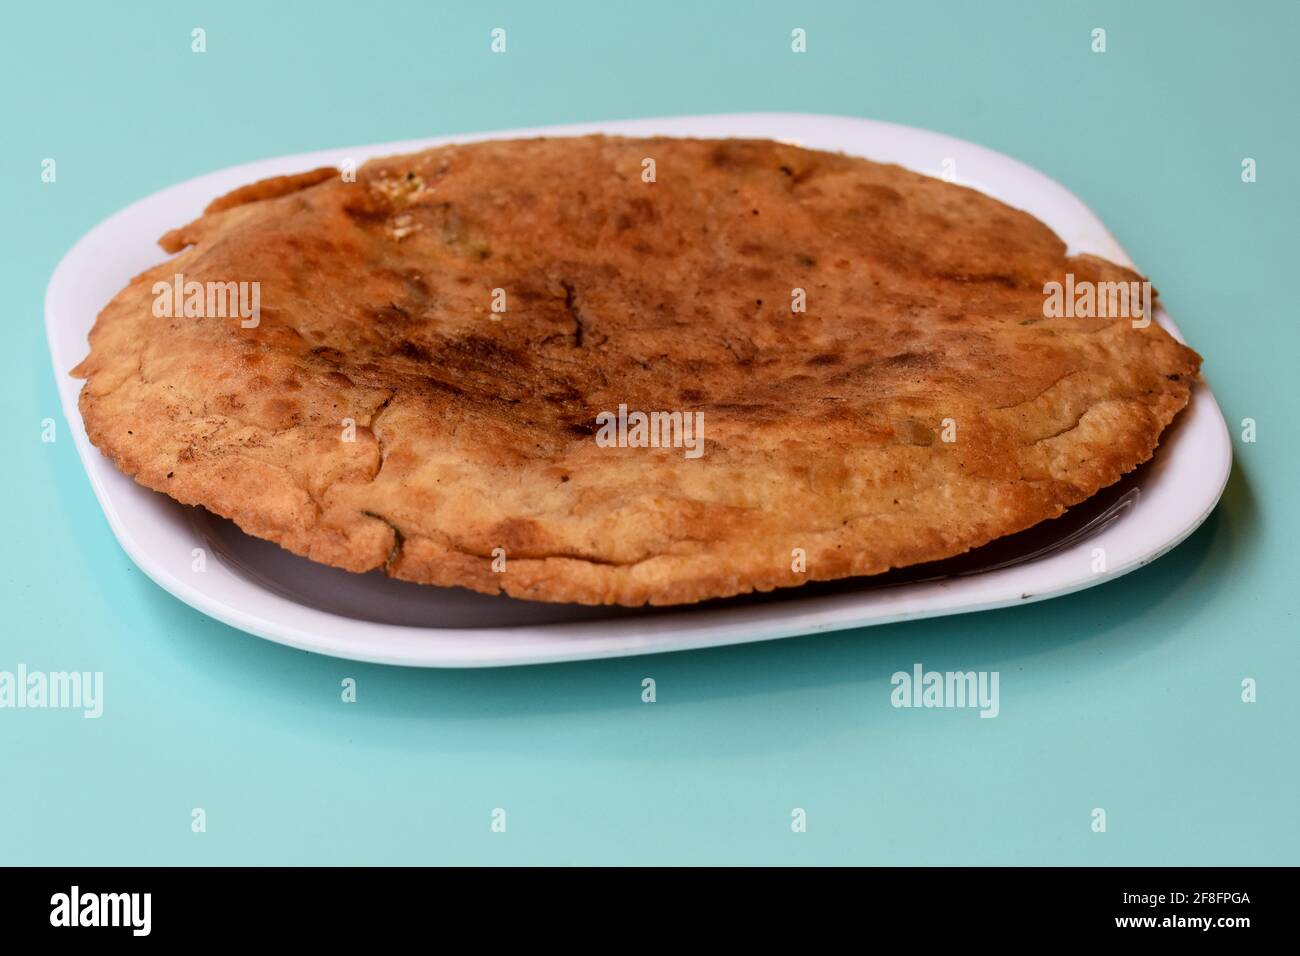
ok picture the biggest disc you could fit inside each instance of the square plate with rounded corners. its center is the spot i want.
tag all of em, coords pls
(259, 588)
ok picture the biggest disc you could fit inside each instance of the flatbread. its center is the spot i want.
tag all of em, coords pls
(919, 406)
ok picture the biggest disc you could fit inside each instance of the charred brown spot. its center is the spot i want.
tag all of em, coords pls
(416, 286)
(438, 385)
(636, 212)
(824, 358)
(910, 360)
(993, 278)
(522, 536)
(366, 215)
(391, 316)
(410, 350)
(563, 396)
(480, 353)
(328, 354)
(732, 154)
(571, 306)
(797, 177)
(882, 194)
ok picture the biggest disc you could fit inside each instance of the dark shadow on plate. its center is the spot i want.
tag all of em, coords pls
(377, 598)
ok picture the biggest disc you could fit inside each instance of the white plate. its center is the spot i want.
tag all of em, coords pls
(261, 589)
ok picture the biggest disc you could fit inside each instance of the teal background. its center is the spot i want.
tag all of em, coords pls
(1125, 697)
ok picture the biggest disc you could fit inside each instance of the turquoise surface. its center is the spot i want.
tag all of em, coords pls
(1126, 697)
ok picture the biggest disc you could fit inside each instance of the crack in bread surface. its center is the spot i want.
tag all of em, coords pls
(475, 430)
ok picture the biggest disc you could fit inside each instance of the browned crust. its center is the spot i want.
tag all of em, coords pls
(822, 429)
(272, 188)
(263, 189)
